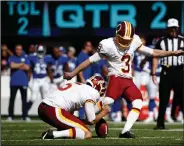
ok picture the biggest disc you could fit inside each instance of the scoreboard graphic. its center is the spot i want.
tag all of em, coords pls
(53, 19)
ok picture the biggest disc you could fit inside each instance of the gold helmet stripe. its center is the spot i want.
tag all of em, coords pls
(126, 28)
(129, 27)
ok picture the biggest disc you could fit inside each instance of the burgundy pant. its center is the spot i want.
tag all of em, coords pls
(59, 118)
(119, 86)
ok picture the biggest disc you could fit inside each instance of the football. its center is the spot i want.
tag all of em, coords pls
(101, 128)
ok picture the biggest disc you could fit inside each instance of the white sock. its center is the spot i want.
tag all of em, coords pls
(131, 119)
(133, 115)
(80, 134)
(63, 133)
(70, 133)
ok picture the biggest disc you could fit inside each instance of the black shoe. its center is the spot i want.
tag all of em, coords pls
(47, 134)
(127, 134)
(159, 128)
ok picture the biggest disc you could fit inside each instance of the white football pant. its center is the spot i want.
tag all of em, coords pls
(39, 87)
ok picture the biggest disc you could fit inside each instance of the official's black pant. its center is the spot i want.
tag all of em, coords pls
(13, 92)
(170, 78)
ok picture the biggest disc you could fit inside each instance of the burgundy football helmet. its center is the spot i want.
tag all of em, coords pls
(124, 33)
(98, 83)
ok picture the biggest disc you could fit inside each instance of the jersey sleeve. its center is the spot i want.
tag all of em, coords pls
(137, 43)
(27, 62)
(48, 59)
(66, 59)
(103, 63)
(145, 50)
(90, 94)
(90, 111)
(9, 60)
(103, 48)
(94, 58)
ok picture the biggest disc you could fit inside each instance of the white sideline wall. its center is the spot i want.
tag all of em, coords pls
(5, 95)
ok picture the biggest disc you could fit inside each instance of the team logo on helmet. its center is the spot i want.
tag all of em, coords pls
(124, 33)
(98, 83)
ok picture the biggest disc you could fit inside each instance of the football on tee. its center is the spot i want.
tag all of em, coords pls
(101, 128)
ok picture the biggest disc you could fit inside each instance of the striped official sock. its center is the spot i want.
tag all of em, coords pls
(131, 119)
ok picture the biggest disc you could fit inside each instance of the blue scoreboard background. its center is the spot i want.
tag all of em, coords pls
(55, 19)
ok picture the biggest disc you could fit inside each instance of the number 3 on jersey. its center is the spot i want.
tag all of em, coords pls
(126, 60)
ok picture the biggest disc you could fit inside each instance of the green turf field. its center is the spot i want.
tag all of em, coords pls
(20, 133)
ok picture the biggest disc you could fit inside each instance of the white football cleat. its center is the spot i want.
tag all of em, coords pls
(149, 119)
(179, 117)
(9, 119)
(27, 119)
(116, 116)
(182, 121)
(168, 115)
(169, 119)
(155, 112)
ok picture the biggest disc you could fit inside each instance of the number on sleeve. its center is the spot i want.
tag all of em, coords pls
(99, 47)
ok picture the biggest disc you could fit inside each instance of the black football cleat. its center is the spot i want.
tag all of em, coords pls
(159, 128)
(127, 134)
(47, 134)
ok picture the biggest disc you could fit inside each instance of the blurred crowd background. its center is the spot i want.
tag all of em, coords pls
(73, 30)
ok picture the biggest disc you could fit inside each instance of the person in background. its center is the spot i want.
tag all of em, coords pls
(31, 55)
(152, 88)
(63, 51)
(86, 73)
(32, 50)
(172, 73)
(39, 71)
(5, 53)
(59, 63)
(83, 55)
(19, 65)
(72, 63)
(147, 82)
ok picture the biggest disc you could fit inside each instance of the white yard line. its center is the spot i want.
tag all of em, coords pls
(109, 122)
(169, 130)
(93, 138)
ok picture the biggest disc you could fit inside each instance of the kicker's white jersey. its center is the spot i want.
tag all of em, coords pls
(119, 61)
(72, 96)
